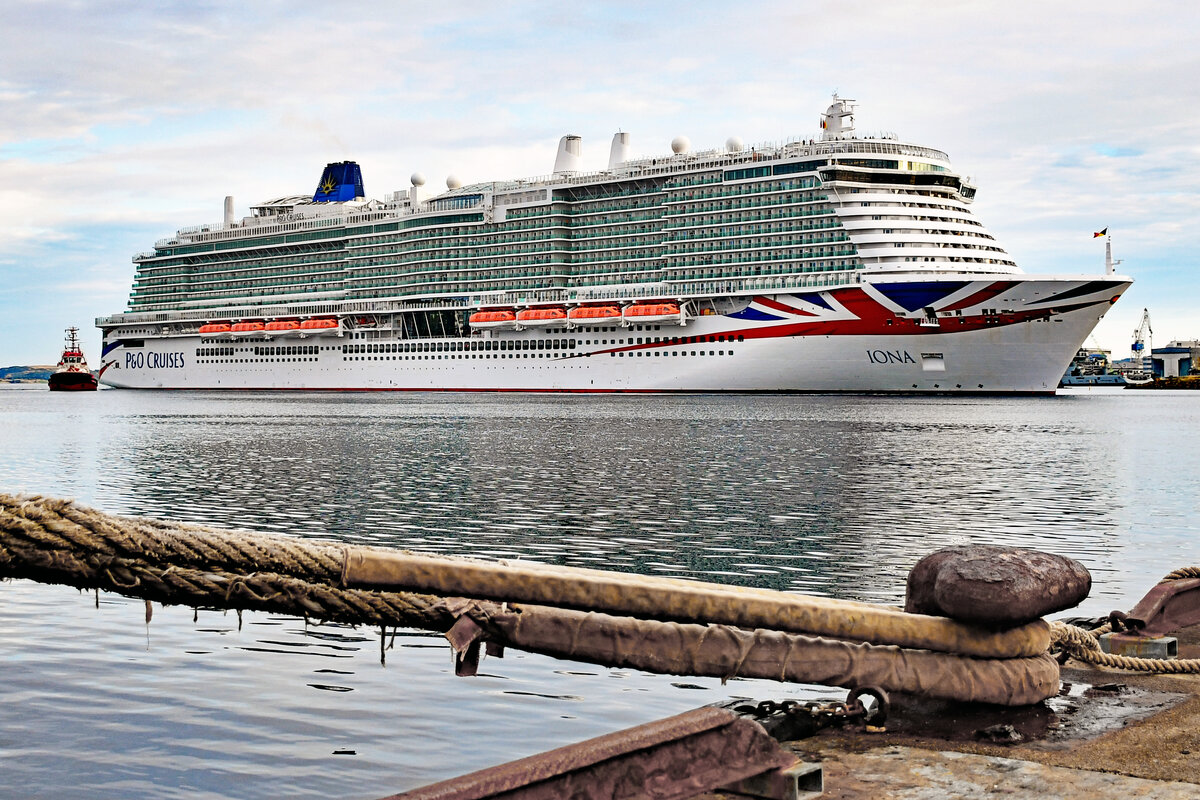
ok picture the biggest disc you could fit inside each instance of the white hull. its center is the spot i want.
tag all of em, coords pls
(848, 340)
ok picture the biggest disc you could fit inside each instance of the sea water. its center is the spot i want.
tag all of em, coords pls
(825, 495)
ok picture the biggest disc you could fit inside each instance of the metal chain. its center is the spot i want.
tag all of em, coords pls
(827, 714)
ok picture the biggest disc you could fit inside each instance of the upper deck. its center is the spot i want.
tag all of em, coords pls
(772, 216)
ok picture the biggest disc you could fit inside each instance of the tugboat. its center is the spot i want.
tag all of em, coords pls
(72, 374)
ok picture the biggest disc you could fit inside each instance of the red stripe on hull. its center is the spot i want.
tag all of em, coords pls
(872, 320)
(982, 296)
(775, 305)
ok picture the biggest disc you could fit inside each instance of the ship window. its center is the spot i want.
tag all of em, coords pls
(743, 174)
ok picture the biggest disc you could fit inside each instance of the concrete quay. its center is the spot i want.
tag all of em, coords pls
(1111, 733)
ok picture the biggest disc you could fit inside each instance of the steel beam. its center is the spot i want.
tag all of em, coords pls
(1168, 607)
(671, 759)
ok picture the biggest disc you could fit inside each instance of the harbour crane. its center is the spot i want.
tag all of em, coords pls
(1141, 335)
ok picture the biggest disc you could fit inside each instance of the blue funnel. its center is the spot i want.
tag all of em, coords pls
(340, 181)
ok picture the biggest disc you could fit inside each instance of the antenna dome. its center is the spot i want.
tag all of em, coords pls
(417, 179)
(680, 144)
(734, 144)
(452, 182)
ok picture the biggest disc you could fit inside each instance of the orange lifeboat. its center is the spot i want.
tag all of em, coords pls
(595, 315)
(213, 328)
(318, 325)
(493, 319)
(282, 327)
(247, 327)
(653, 312)
(541, 317)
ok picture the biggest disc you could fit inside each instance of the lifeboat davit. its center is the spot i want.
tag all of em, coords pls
(319, 327)
(247, 327)
(595, 315)
(541, 317)
(653, 312)
(493, 319)
(219, 330)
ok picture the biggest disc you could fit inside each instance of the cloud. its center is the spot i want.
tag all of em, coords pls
(120, 124)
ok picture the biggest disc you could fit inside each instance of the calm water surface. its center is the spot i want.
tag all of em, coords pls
(823, 495)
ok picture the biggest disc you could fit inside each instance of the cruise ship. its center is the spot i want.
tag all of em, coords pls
(838, 263)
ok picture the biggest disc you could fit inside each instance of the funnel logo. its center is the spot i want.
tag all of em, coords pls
(339, 182)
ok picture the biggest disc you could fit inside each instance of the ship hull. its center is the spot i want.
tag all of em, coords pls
(72, 382)
(1002, 335)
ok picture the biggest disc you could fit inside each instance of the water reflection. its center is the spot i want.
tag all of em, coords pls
(826, 495)
(807, 494)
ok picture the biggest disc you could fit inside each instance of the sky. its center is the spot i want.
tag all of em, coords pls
(121, 122)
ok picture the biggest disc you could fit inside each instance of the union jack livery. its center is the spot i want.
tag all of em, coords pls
(842, 263)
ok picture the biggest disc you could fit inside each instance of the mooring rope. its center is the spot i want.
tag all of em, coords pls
(1084, 644)
(60, 525)
(174, 563)
(1182, 574)
(56, 541)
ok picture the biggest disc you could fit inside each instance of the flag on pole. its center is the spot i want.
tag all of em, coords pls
(1100, 233)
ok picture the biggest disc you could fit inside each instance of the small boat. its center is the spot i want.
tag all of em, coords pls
(652, 312)
(72, 373)
(319, 326)
(1098, 379)
(247, 327)
(219, 330)
(493, 319)
(541, 317)
(282, 327)
(594, 315)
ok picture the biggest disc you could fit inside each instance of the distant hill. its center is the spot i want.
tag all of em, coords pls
(35, 372)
